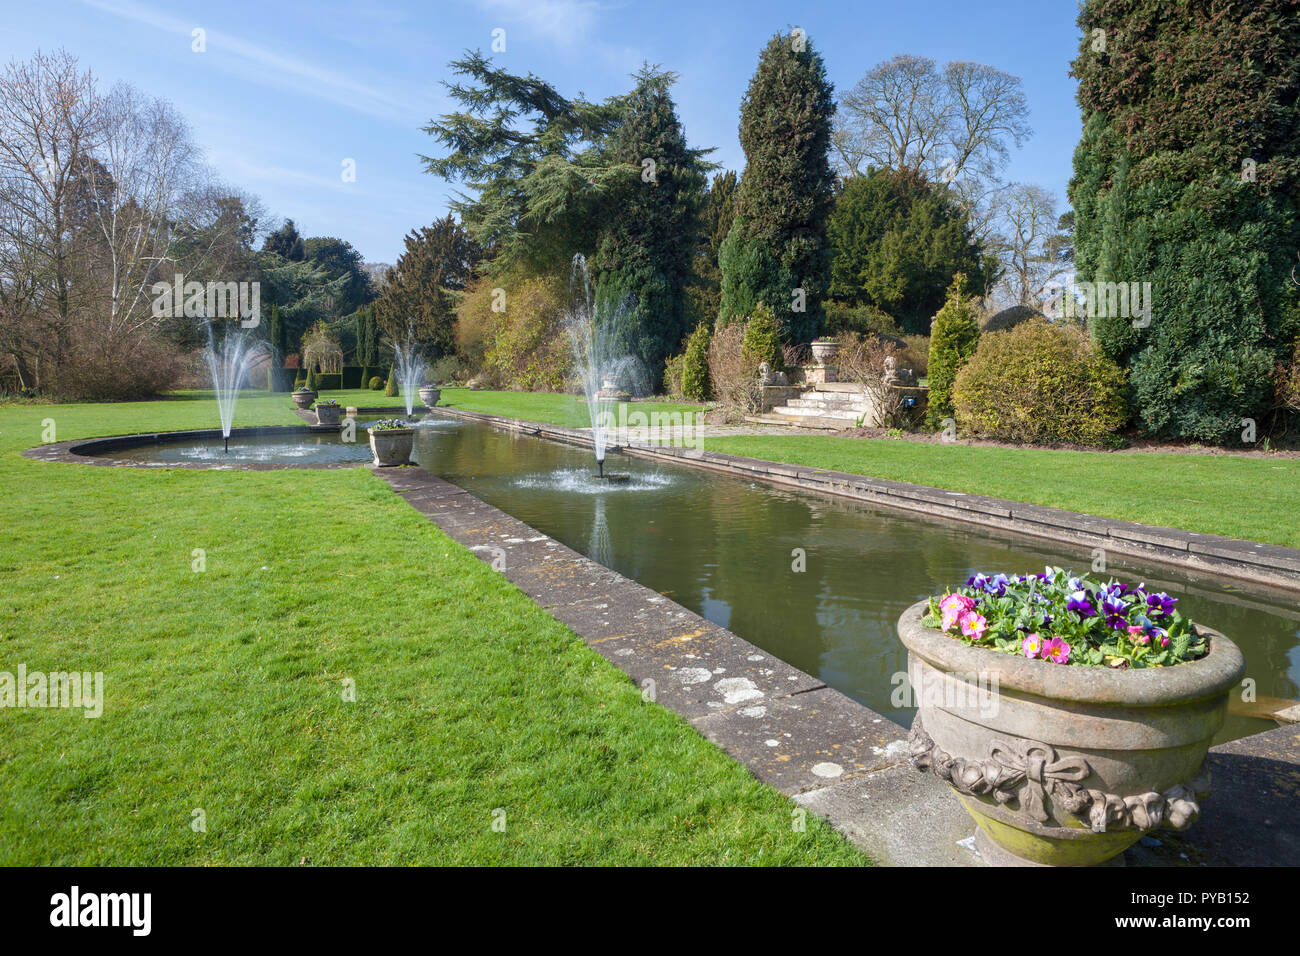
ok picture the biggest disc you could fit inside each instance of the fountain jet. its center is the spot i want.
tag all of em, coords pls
(606, 372)
(228, 364)
(410, 371)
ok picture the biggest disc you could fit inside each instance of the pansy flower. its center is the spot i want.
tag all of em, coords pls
(1161, 604)
(1079, 602)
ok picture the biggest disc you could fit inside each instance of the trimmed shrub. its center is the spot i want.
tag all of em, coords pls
(354, 376)
(376, 383)
(530, 349)
(1040, 382)
(447, 369)
(390, 388)
(329, 381)
(312, 382)
(953, 339)
(695, 365)
(673, 376)
(762, 342)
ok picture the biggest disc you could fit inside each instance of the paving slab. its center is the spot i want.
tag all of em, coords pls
(899, 817)
(806, 741)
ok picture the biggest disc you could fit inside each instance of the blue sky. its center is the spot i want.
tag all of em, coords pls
(287, 91)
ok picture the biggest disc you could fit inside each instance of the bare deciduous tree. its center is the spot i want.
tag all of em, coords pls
(1029, 240)
(50, 122)
(949, 126)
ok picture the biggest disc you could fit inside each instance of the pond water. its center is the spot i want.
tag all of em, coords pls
(728, 549)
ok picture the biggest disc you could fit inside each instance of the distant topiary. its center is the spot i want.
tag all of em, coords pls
(375, 383)
(1040, 382)
(390, 389)
(953, 339)
(312, 383)
(695, 365)
(762, 342)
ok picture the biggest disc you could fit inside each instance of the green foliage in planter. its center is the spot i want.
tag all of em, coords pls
(778, 241)
(953, 339)
(1196, 193)
(695, 365)
(390, 387)
(376, 383)
(762, 342)
(1040, 382)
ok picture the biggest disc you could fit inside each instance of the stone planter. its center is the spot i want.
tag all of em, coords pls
(304, 399)
(328, 414)
(430, 395)
(824, 351)
(392, 446)
(1064, 765)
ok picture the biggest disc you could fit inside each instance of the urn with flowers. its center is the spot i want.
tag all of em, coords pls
(1069, 715)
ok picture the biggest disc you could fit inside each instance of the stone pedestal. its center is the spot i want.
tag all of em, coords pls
(820, 374)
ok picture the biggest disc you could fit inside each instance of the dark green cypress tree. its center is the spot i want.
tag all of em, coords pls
(1186, 177)
(647, 247)
(275, 375)
(777, 243)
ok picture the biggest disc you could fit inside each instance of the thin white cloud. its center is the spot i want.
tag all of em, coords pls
(273, 69)
(565, 22)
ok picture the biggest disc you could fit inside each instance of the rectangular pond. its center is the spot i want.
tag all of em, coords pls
(731, 550)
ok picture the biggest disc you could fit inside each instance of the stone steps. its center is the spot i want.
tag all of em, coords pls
(806, 421)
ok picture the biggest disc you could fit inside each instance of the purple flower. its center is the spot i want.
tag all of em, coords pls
(1114, 610)
(1161, 604)
(1079, 602)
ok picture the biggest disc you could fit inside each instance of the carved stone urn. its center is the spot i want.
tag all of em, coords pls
(392, 446)
(430, 394)
(825, 350)
(1064, 765)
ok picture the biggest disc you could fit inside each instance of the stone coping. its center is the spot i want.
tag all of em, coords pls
(1268, 565)
(86, 451)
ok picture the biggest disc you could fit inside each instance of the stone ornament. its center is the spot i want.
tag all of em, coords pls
(1021, 774)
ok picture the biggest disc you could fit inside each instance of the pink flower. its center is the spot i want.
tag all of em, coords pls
(953, 606)
(1138, 635)
(1031, 645)
(972, 625)
(1056, 650)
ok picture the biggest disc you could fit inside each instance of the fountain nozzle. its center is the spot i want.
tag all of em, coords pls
(227, 438)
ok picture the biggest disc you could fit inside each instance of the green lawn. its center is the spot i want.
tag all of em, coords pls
(225, 688)
(1253, 498)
